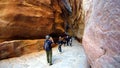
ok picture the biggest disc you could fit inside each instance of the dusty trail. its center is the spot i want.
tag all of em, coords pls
(72, 57)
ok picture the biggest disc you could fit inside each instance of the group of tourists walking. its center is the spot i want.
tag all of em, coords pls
(66, 41)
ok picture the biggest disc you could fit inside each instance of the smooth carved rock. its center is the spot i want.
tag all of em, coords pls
(28, 19)
(33, 19)
(102, 33)
(17, 48)
(73, 17)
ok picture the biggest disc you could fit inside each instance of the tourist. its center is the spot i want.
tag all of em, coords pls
(60, 42)
(48, 48)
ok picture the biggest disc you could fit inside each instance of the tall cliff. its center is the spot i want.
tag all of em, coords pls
(33, 19)
(101, 38)
(29, 18)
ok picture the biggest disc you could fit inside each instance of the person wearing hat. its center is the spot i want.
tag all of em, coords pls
(48, 48)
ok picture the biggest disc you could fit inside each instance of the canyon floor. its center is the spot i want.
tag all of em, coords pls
(71, 57)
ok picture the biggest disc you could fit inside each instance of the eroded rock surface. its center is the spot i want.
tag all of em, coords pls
(29, 18)
(74, 21)
(102, 33)
(15, 48)
(33, 19)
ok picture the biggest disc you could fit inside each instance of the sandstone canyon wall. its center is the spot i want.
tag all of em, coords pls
(21, 19)
(28, 19)
(16, 48)
(74, 20)
(102, 33)
(33, 19)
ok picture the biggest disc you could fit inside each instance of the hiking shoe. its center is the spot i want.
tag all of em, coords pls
(50, 64)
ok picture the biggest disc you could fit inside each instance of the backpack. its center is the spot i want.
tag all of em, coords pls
(47, 45)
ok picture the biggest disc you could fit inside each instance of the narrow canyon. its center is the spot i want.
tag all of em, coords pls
(93, 23)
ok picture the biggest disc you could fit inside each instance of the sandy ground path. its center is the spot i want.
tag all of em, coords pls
(71, 57)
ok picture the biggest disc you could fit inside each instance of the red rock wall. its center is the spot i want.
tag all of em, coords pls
(33, 19)
(75, 19)
(29, 18)
(102, 33)
(17, 48)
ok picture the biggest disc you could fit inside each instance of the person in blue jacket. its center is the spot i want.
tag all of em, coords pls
(48, 48)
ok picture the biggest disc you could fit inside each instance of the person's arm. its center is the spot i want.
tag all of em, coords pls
(51, 39)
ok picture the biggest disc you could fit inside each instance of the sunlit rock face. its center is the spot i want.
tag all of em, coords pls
(16, 48)
(102, 33)
(29, 18)
(33, 19)
(73, 17)
(36, 18)
(77, 19)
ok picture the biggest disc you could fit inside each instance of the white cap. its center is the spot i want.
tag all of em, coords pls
(47, 37)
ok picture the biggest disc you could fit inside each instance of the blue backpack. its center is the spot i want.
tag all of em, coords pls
(47, 45)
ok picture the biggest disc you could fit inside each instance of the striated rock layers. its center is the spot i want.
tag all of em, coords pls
(27, 19)
(33, 19)
(30, 19)
(17, 48)
(101, 38)
(21, 19)
(36, 18)
(73, 17)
